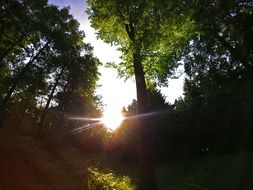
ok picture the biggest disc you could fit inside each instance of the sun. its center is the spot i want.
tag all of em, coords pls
(112, 119)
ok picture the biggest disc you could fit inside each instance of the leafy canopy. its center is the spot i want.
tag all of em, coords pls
(159, 30)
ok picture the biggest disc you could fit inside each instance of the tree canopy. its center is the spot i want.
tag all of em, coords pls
(159, 30)
(43, 59)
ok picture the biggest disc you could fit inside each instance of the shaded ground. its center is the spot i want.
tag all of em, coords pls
(25, 164)
(230, 171)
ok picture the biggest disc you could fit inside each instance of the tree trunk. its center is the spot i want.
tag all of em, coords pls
(4, 104)
(43, 116)
(147, 178)
(147, 175)
(61, 109)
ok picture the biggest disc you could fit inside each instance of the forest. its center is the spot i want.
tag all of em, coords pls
(52, 134)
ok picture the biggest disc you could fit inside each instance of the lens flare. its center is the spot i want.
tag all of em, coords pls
(112, 119)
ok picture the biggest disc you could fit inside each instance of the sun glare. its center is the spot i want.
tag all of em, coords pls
(112, 119)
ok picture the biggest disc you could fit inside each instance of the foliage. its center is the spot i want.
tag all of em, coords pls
(218, 66)
(218, 60)
(160, 32)
(229, 23)
(99, 180)
(47, 72)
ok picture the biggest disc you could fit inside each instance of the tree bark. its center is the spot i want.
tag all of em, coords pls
(4, 104)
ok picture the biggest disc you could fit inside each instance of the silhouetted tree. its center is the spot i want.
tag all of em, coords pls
(42, 52)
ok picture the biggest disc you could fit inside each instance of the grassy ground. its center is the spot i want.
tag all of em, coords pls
(27, 164)
(219, 172)
(212, 172)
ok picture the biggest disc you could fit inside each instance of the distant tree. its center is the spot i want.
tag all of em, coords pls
(132, 108)
(77, 97)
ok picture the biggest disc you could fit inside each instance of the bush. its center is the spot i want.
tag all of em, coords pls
(98, 180)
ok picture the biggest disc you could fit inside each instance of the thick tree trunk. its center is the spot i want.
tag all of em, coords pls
(43, 116)
(147, 175)
(6, 100)
(147, 178)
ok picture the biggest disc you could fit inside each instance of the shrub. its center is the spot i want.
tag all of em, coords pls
(98, 180)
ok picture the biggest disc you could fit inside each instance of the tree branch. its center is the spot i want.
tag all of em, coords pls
(130, 31)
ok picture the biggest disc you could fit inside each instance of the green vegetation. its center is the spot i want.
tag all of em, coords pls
(98, 180)
(47, 71)
(227, 171)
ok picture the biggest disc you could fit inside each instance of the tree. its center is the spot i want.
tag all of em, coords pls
(229, 23)
(21, 19)
(77, 98)
(151, 36)
(218, 67)
(49, 55)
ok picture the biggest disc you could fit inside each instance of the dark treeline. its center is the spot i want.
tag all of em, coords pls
(47, 72)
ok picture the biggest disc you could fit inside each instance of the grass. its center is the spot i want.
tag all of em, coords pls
(219, 172)
(213, 172)
(99, 180)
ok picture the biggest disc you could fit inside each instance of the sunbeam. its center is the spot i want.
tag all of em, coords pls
(72, 132)
(85, 118)
(105, 120)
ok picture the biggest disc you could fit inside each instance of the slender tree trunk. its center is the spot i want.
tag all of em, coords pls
(59, 117)
(4, 104)
(43, 116)
(147, 178)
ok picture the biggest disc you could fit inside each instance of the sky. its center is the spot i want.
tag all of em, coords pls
(115, 92)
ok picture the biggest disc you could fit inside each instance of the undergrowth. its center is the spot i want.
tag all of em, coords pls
(98, 180)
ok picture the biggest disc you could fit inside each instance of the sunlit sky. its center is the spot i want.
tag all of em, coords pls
(115, 92)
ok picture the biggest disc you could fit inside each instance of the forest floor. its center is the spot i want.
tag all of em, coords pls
(27, 164)
(30, 164)
(213, 172)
